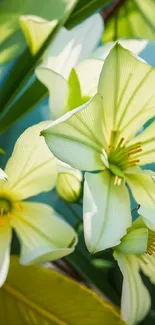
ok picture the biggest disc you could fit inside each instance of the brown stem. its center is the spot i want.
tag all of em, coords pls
(109, 11)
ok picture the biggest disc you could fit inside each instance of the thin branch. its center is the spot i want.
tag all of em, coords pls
(111, 10)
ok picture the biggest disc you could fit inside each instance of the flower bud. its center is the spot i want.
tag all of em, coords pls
(69, 183)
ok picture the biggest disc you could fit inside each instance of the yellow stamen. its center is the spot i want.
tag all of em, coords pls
(117, 181)
(151, 242)
(120, 142)
(132, 152)
(2, 218)
(17, 206)
(9, 216)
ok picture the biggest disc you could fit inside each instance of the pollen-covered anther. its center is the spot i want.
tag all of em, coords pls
(117, 180)
(17, 206)
(120, 142)
(151, 242)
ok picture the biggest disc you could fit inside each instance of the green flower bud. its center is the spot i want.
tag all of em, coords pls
(69, 183)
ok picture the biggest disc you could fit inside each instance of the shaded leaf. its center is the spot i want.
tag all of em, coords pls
(133, 19)
(35, 295)
(83, 10)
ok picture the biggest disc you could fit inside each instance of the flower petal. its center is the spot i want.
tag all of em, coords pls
(88, 72)
(142, 186)
(56, 84)
(71, 46)
(3, 175)
(147, 265)
(147, 141)
(135, 301)
(135, 242)
(36, 30)
(5, 242)
(148, 216)
(106, 210)
(77, 138)
(123, 81)
(134, 45)
(43, 235)
(32, 167)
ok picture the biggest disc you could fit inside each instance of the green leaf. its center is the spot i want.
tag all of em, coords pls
(35, 295)
(18, 75)
(30, 98)
(83, 10)
(12, 41)
(133, 19)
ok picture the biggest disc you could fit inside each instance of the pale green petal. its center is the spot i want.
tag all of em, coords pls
(74, 92)
(147, 264)
(3, 175)
(135, 301)
(32, 168)
(147, 141)
(71, 46)
(5, 242)
(88, 72)
(43, 235)
(36, 30)
(148, 216)
(123, 81)
(77, 138)
(134, 45)
(58, 90)
(142, 186)
(135, 242)
(106, 211)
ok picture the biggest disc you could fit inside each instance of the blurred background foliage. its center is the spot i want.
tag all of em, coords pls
(24, 102)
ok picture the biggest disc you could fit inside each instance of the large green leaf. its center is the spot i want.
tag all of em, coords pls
(32, 96)
(83, 10)
(35, 295)
(23, 69)
(12, 40)
(133, 19)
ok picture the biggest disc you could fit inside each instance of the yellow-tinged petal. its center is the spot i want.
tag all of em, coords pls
(36, 30)
(32, 168)
(123, 81)
(147, 141)
(88, 72)
(71, 46)
(5, 242)
(58, 90)
(44, 236)
(135, 301)
(77, 138)
(106, 211)
(142, 186)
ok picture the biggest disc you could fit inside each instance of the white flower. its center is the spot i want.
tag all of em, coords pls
(32, 169)
(136, 253)
(101, 136)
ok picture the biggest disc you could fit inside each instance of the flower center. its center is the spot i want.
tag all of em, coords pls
(121, 157)
(7, 205)
(151, 242)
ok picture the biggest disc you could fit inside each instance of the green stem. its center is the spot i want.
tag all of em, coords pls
(75, 214)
